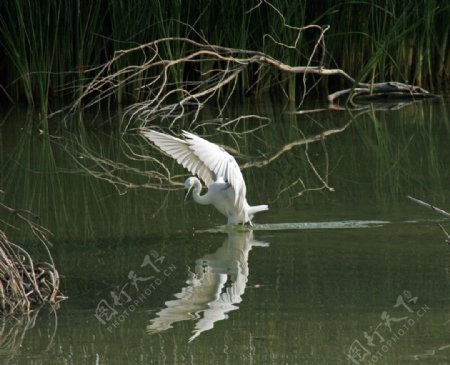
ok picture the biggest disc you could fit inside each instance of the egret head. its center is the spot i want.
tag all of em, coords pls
(188, 185)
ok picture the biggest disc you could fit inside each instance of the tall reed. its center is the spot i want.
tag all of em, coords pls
(46, 45)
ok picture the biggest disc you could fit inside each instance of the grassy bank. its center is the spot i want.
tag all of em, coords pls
(46, 45)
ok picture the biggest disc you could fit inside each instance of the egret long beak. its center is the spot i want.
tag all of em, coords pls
(186, 192)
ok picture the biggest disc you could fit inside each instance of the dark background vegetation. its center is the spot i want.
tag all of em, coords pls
(47, 45)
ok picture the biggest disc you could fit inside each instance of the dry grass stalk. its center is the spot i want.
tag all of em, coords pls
(24, 283)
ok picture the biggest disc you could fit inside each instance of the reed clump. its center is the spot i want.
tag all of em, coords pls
(26, 284)
(47, 46)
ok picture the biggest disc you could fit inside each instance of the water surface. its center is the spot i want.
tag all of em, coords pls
(324, 276)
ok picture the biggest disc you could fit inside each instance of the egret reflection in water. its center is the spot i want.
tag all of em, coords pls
(213, 290)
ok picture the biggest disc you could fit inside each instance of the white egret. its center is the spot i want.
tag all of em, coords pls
(218, 170)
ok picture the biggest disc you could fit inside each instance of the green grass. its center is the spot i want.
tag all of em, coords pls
(46, 45)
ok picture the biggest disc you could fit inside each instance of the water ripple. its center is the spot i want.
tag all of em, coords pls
(348, 224)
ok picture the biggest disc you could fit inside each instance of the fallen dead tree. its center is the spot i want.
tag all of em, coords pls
(169, 88)
(166, 87)
(167, 98)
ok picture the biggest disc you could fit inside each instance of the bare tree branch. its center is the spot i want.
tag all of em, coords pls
(435, 209)
(432, 207)
(166, 94)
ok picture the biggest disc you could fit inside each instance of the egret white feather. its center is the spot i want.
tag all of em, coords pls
(216, 167)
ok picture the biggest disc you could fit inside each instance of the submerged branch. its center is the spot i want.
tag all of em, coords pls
(435, 209)
(390, 90)
(432, 207)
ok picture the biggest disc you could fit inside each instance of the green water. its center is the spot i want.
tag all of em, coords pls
(315, 281)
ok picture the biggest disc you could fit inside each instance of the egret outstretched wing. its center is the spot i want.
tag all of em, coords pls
(220, 162)
(181, 151)
(205, 159)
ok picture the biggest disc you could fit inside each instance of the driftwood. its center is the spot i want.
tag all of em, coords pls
(391, 90)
